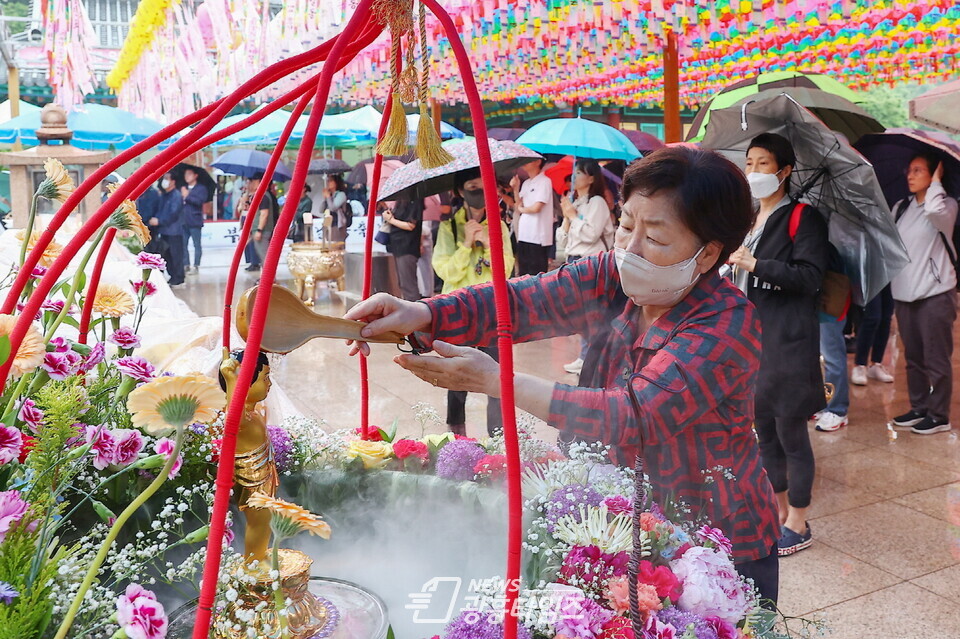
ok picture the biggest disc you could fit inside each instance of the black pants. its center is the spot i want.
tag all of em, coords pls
(926, 328)
(765, 573)
(175, 263)
(532, 259)
(787, 456)
(875, 328)
(457, 401)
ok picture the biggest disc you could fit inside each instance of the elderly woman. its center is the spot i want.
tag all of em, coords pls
(674, 348)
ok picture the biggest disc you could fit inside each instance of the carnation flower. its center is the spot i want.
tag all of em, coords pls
(129, 443)
(711, 585)
(287, 519)
(492, 466)
(29, 414)
(7, 593)
(25, 448)
(618, 596)
(373, 433)
(165, 446)
(136, 367)
(472, 624)
(96, 355)
(38, 271)
(724, 629)
(140, 615)
(567, 501)
(617, 628)
(619, 505)
(12, 510)
(112, 301)
(60, 366)
(656, 629)
(167, 403)
(580, 617)
(403, 448)
(53, 306)
(102, 444)
(148, 288)
(150, 261)
(125, 338)
(58, 184)
(60, 344)
(282, 445)
(589, 568)
(10, 442)
(457, 460)
(660, 577)
(32, 349)
(50, 253)
(716, 537)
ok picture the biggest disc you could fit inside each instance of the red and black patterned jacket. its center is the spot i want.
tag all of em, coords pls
(692, 375)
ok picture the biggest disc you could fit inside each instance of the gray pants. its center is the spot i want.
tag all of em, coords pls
(926, 328)
(407, 274)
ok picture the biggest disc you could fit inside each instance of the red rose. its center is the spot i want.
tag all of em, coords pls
(373, 433)
(26, 445)
(403, 448)
(661, 578)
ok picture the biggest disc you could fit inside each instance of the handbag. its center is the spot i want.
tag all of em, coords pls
(383, 234)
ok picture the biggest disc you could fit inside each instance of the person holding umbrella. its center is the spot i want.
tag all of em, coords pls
(781, 269)
(194, 196)
(674, 355)
(925, 298)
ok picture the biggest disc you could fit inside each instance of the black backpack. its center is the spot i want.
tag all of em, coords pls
(955, 237)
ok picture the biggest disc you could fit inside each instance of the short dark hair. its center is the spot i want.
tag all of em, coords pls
(238, 355)
(931, 159)
(709, 193)
(780, 147)
(462, 177)
(592, 168)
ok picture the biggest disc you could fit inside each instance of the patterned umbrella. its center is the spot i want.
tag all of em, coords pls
(891, 152)
(938, 108)
(829, 100)
(413, 181)
(832, 176)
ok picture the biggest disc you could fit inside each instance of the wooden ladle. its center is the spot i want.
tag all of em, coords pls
(291, 324)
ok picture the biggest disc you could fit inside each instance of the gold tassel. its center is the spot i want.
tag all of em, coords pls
(394, 141)
(428, 149)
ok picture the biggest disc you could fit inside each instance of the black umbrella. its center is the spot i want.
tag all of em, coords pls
(891, 152)
(203, 177)
(326, 166)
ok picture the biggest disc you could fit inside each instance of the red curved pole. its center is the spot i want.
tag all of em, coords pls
(262, 79)
(224, 482)
(87, 309)
(151, 170)
(368, 265)
(254, 207)
(504, 329)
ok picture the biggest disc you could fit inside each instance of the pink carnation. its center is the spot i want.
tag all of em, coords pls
(10, 442)
(724, 629)
(103, 445)
(12, 510)
(656, 629)
(124, 338)
(38, 271)
(404, 448)
(129, 443)
(149, 288)
(619, 505)
(716, 537)
(96, 356)
(140, 615)
(61, 365)
(30, 415)
(53, 306)
(150, 261)
(165, 446)
(618, 596)
(60, 345)
(137, 368)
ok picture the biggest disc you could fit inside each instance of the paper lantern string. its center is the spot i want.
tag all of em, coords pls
(429, 149)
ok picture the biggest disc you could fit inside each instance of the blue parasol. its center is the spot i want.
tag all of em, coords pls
(579, 138)
(249, 163)
(94, 126)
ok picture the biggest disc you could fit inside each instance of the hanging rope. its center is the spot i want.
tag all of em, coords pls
(429, 149)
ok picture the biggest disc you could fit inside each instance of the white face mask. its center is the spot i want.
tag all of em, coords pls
(763, 185)
(164, 184)
(647, 284)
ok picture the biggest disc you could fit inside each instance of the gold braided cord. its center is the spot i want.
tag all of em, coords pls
(429, 149)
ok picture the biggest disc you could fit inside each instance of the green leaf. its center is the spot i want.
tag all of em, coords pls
(390, 634)
(4, 348)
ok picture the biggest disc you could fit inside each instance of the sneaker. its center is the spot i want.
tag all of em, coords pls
(574, 367)
(909, 419)
(859, 376)
(879, 373)
(792, 542)
(930, 425)
(829, 422)
(253, 267)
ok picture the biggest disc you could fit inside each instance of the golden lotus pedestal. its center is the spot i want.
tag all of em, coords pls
(307, 615)
(312, 262)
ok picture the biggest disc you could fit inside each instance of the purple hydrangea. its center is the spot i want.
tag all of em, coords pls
(681, 619)
(478, 625)
(282, 448)
(579, 616)
(568, 500)
(458, 458)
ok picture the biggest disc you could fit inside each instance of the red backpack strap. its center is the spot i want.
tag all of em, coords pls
(795, 220)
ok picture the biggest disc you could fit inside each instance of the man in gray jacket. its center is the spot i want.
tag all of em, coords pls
(925, 296)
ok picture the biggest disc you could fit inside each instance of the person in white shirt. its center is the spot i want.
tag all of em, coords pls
(925, 296)
(533, 221)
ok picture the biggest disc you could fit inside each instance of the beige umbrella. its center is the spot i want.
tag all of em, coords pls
(939, 108)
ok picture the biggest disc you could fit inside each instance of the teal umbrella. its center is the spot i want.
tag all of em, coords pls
(268, 130)
(579, 138)
(94, 126)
